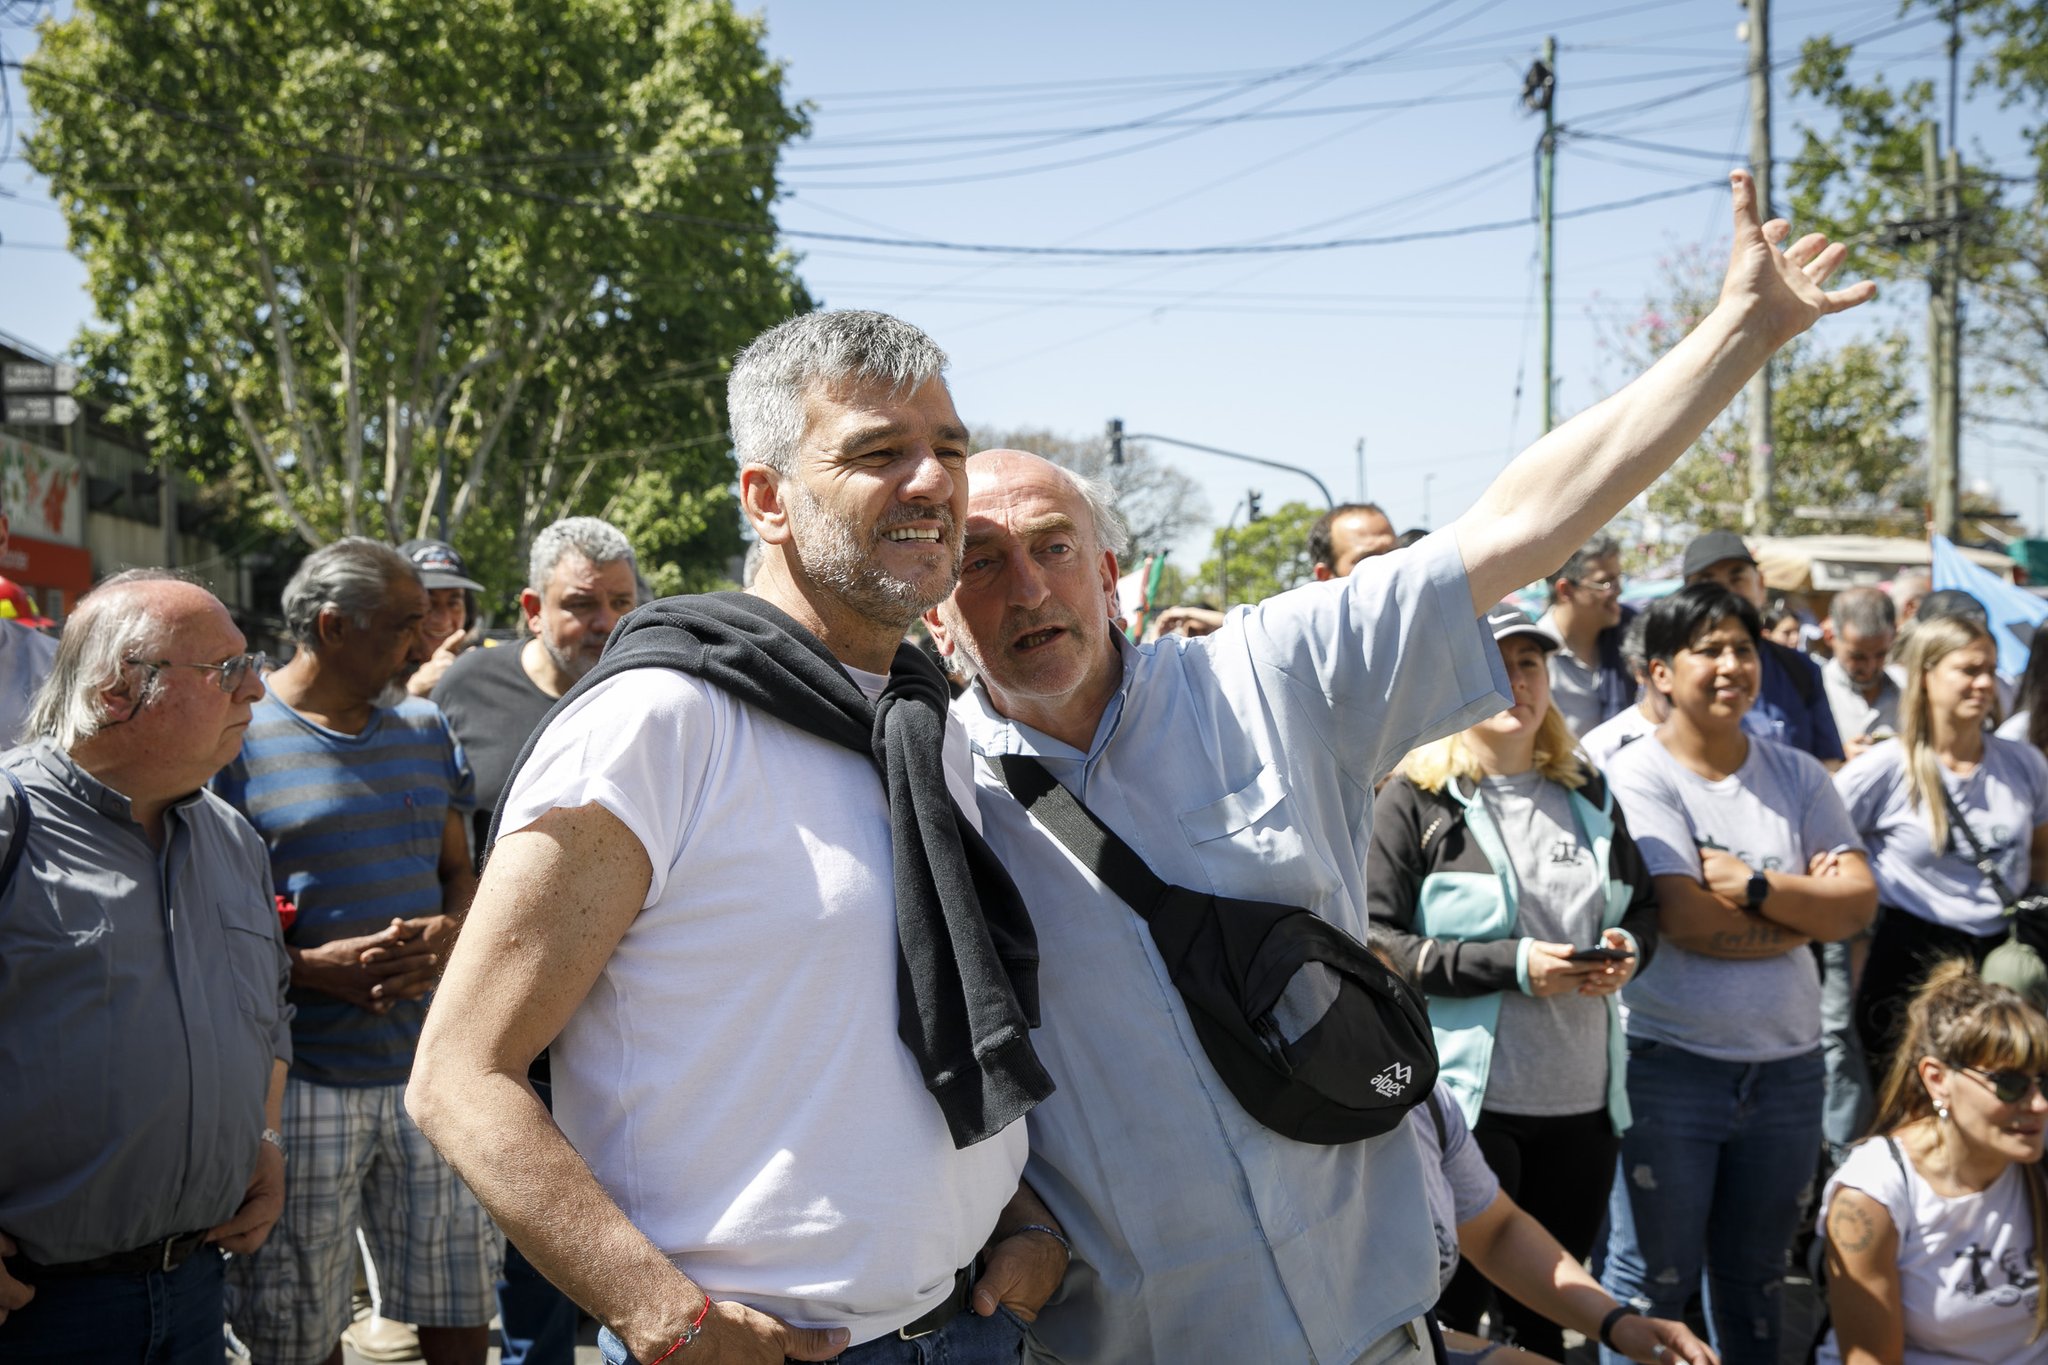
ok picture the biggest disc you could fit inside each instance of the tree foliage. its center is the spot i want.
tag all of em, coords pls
(1252, 563)
(341, 244)
(1843, 456)
(1864, 178)
(1158, 502)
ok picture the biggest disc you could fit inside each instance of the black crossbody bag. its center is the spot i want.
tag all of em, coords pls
(1313, 1035)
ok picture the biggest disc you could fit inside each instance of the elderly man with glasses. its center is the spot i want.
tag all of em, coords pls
(144, 1032)
(1589, 681)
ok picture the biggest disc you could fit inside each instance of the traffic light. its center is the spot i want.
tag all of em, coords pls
(1251, 504)
(1116, 440)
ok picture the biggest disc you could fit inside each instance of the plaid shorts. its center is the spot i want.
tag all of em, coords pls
(357, 1160)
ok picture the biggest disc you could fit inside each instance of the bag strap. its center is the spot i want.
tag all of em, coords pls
(1986, 864)
(1436, 1117)
(1892, 1145)
(1113, 861)
(18, 840)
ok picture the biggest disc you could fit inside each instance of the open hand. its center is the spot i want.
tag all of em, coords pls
(1660, 1341)
(1785, 291)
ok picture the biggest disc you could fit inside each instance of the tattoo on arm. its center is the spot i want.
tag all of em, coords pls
(1852, 1230)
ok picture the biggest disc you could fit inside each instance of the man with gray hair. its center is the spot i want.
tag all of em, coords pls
(580, 580)
(1862, 691)
(1589, 682)
(1242, 765)
(365, 811)
(786, 989)
(144, 1033)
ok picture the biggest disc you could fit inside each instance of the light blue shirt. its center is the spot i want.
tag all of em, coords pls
(1240, 763)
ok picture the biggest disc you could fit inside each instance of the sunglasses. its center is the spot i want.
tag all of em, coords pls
(230, 671)
(2011, 1087)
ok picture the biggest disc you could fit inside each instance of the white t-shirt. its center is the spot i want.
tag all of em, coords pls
(1966, 1268)
(734, 1077)
(2003, 799)
(1774, 813)
(1455, 1176)
(1601, 743)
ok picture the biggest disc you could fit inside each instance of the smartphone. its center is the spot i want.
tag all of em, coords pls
(1601, 953)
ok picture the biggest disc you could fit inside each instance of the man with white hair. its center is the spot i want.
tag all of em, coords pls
(786, 989)
(144, 1033)
(1241, 765)
(365, 810)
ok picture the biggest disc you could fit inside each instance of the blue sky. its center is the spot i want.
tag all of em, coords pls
(1192, 124)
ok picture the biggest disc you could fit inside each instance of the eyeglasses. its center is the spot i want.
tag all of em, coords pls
(2011, 1087)
(1603, 586)
(231, 671)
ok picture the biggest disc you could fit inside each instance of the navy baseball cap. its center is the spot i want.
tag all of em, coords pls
(439, 565)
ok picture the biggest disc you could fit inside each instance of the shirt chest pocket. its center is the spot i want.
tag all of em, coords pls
(1251, 845)
(253, 957)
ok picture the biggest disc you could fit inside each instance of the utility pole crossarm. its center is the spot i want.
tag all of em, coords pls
(1321, 487)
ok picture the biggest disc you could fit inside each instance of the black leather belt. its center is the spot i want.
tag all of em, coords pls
(163, 1256)
(947, 1308)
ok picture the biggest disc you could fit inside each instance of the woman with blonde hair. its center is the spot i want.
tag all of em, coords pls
(1501, 880)
(1935, 1226)
(1955, 821)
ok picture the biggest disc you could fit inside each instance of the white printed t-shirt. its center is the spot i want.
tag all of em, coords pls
(1966, 1268)
(734, 1077)
(2004, 798)
(1774, 813)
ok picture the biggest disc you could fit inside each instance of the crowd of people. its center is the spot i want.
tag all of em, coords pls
(768, 985)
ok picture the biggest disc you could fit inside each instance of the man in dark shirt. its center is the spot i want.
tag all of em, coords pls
(581, 581)
(1792, 705)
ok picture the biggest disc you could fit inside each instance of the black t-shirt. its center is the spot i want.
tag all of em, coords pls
(492, 706)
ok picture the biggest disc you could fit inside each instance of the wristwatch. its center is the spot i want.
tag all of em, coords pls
(276, 1139)
(1759, 887)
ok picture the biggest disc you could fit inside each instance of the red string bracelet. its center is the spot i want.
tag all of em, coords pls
(689, 1333)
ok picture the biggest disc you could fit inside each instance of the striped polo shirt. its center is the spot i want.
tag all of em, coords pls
(354, 825)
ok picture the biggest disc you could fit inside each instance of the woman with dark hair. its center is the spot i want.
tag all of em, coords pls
(1781, 622)
(1502, 881)
(1935, 1226)
(1956, 821)
(1753, 858)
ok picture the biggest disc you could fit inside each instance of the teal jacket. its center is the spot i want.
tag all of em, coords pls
(1442, 892)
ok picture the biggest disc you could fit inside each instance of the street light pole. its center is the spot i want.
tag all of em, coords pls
(1117, 437)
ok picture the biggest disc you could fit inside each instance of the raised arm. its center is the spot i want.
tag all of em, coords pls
(1568, 485)
(555, 900)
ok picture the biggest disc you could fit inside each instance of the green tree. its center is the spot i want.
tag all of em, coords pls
(342, 245)
(1843, 457)
(1252, 563)
(1863, 178)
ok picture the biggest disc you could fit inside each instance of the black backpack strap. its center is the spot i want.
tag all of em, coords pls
(1097, 846)
(18, 840)
(1436, 1116)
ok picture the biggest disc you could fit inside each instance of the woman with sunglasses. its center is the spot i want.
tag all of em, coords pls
(1502, 881)
(1935, 1226)
(1955, 820)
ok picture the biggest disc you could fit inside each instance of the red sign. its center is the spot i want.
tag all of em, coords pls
(43, 567)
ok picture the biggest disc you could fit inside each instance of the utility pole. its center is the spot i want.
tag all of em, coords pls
(1539, 91)
(1361, 469)
(1757, 516)
(1944, 351)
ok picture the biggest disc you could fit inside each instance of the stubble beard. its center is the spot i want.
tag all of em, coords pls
(831, 555)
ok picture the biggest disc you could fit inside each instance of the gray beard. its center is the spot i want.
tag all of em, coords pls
(569, 662)
(832, 557)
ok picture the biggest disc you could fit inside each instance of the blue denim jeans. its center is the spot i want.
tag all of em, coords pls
(1714, 1178)
(969, 1339)
(172, 1318)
